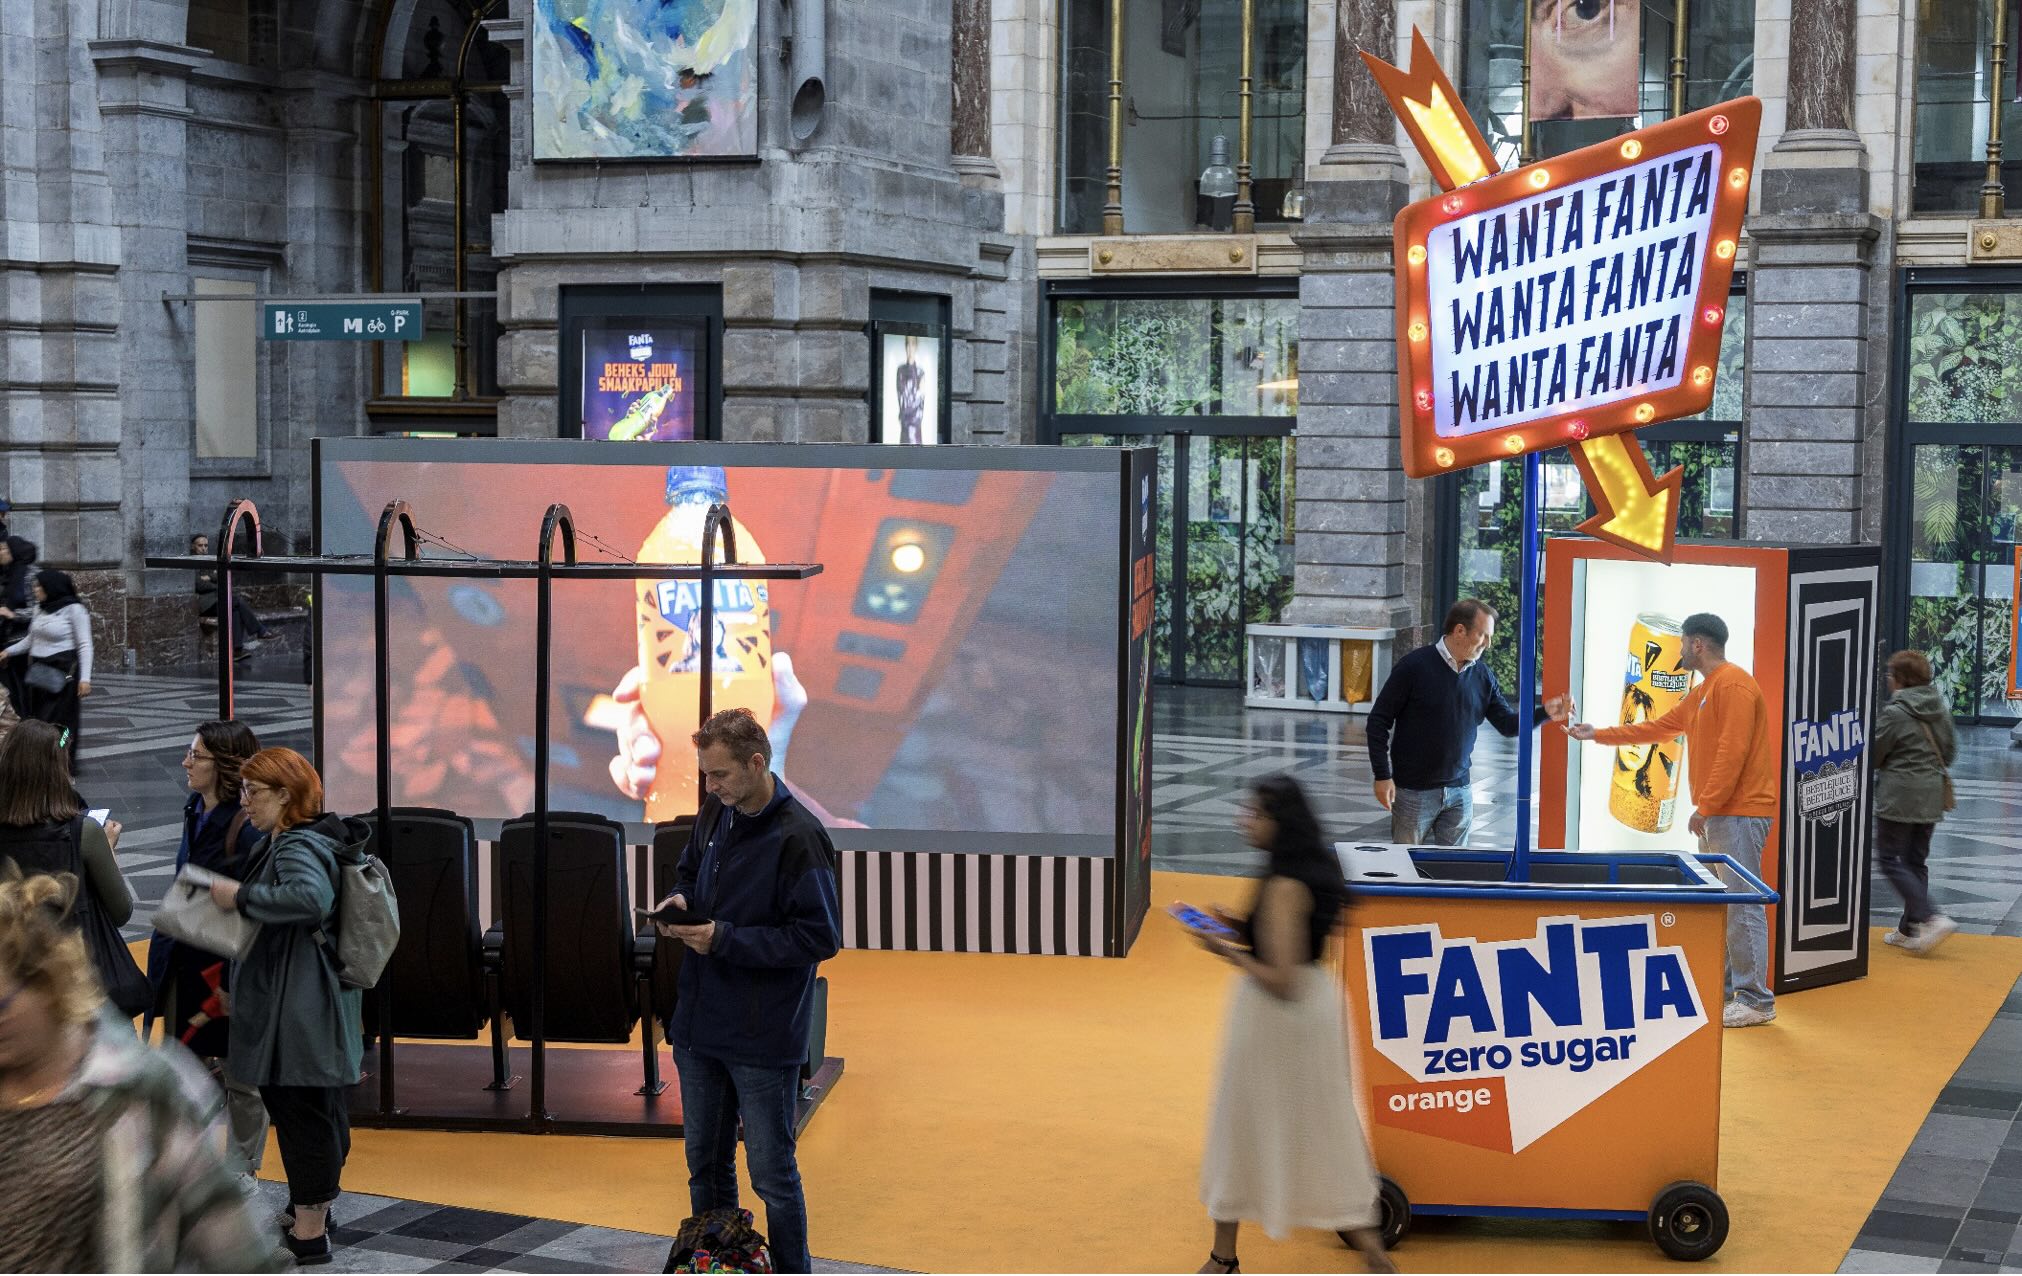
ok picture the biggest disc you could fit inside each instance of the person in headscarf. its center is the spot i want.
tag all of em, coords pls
(17, 600)
(57, 648)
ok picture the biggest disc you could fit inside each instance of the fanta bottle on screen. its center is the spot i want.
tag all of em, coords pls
(670, 653)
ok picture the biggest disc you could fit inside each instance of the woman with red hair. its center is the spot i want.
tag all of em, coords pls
(294, 1027)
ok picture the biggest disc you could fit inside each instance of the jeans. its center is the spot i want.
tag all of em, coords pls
(1740, 837)
(1906, 852)
(1432, 817)
(714, 1094)
(313, 1126)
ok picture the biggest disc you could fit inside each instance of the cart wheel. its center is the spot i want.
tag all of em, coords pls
(1394, 1221)
(1688, 1221)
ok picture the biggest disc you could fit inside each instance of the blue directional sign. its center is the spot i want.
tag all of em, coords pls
(340, 320)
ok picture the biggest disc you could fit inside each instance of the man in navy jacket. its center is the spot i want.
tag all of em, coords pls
(762, 870)
(1421, 729)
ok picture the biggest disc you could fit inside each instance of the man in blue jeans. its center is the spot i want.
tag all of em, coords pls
(1421, 729)
(762, 870)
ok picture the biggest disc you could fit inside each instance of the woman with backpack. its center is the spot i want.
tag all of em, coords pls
(192, 987)
(1285, 1144)
(294, 1026)
(43, 830)
(1913, 748)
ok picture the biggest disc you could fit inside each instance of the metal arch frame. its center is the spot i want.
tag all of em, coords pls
(239, 511)
(557, 519)
(401, 515)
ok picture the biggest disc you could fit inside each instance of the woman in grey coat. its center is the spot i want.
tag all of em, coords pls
(294, 1028)
(1912, 748)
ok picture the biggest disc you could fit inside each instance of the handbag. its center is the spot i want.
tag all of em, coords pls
(45, 678)
(722, 1240)
(1951, 797)
(126, 985)
(190, 916)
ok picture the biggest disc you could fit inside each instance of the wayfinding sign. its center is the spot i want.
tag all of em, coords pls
(398, 320)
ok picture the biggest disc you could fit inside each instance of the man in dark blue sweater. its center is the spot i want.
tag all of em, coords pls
(762, 870)
(1421, 729)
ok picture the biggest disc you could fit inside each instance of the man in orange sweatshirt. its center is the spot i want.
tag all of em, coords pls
(1732, 761)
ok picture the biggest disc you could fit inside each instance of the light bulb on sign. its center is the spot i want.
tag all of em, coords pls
(1702, 375)
(1712, 314)
(1645, 413)
(1444, 456)
(1417, 331)
(1717, 125)
(908, 558)
(1737, 178)
(1424, 400)
(1724, 249)
(1453, 204)
(1578, 429)
(1415, 254)
(1631, 149)
(1540, 179)
(1513, 444)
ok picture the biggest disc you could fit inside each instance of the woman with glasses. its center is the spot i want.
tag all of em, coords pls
(1285, 1144)
(44, 830)
(192, 987)
(295, 1029)
(114, 1147)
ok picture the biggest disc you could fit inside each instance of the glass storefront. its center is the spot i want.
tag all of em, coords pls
(1963, 503)
(1212, 382)
(1181, 75)
(1955, 41)
(1483, 506)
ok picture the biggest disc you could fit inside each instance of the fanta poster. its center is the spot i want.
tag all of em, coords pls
(644, 79)
(639, 382)
(1506, 1041)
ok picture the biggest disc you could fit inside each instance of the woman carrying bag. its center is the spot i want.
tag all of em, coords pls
(295, 1028)
(58, 651)
(192, 987)
(1913, 749)
(43, 829)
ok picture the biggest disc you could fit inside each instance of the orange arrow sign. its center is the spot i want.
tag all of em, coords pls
(1638, 510)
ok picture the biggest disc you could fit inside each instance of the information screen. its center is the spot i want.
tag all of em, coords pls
(954, 667)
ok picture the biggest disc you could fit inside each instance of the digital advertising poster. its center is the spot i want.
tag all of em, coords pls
(1586, 58)
(638, 380)
(910, 393)
(954, 666)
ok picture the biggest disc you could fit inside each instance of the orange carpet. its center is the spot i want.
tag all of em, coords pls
(1045, 1113)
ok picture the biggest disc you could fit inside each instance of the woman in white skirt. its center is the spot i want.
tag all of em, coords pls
(1285, 1143)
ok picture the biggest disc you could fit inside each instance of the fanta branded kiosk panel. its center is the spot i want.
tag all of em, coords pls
(1543, 1049)
(1802, 621)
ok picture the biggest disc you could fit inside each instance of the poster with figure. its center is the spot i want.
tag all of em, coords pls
(910, 388)
(639, 380)
(644, 79)
(1586, 58)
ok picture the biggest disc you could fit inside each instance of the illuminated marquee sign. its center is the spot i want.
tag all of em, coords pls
(1575, 298)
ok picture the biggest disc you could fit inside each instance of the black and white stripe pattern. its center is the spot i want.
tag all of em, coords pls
(917, 901)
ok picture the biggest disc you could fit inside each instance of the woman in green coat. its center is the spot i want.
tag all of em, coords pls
(295, 1029)
(1912, 748)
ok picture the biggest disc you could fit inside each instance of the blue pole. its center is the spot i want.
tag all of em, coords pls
(1527, 666)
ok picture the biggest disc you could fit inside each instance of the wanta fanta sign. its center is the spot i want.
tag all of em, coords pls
(1507, 1040)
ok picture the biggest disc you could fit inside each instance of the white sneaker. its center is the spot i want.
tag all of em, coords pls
(1934, 932)
(1739, 1016)
(1897, 939)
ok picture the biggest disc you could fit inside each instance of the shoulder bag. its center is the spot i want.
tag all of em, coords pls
(1930, 738)
(190, 916)
(126, 986)
(47, 679)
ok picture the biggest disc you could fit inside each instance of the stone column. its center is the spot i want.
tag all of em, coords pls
(1810, 430)
(969, 96)
(1350, 538)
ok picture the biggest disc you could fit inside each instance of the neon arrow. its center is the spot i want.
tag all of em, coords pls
(1424, 100)
(1638, 510)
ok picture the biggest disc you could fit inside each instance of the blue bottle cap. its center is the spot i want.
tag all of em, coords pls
(696, 480)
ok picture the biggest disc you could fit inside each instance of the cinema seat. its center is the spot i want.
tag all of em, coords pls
(442, 981)
(600, 969)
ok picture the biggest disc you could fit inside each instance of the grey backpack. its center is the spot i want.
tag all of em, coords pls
(368, 921)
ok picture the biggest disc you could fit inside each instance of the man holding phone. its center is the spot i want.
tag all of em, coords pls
(757, 887)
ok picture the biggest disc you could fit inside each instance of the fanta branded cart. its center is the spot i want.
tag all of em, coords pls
(1547, 1048)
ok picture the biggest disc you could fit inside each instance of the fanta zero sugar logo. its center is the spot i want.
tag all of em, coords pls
(1553, 1022)
(641, 344)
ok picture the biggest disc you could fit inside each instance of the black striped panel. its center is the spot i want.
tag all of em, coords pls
(916, 901)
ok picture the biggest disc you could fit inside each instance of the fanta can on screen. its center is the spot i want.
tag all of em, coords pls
(1644, 792)
(670, 618)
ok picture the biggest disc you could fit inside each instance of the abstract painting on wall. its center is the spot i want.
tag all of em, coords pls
(645, 79)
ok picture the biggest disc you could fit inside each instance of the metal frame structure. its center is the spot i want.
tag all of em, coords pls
(382, 566)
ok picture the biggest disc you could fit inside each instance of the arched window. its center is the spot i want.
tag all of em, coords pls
(439, 157)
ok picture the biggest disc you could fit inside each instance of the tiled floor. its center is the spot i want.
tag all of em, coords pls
(1955, 1203)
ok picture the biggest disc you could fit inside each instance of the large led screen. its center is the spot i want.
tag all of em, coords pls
(1624, 669)
(953, 667)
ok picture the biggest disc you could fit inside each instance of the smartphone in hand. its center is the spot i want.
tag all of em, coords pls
(100, 814)
(671, 914)
(1201, 923)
